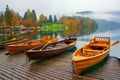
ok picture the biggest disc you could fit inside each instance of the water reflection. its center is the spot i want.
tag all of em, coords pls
(81, 38)
(61, 35)
(73, 49)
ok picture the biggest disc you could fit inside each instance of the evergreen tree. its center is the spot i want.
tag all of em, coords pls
(30, 18)
(1, 18)
(8, 17)
(50, 20)
(31, 15)
(55, 19)
(27, 14)
(19, 18)
(35, 18)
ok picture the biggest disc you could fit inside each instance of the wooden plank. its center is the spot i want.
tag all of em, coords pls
(15, 68)
(24, 67)
(51, 70)
(55, 68)
(77, 77)
(4, 77)
(23, 70)
(9, 74)
(10, 69)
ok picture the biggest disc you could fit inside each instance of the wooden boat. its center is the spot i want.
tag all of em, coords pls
(91, 54)
(12, 41)
(15, 48)
(51, 49)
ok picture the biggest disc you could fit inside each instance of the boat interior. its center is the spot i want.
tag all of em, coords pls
(96, 46)
(55, 45)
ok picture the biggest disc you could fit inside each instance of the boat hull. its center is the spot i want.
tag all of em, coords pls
(12, 49)
(38, 54)
(42, 54)
(82, 65)
(16, 48)
(10, 42)
(91, 54)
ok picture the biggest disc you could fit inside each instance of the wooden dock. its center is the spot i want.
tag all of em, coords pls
(58, 67)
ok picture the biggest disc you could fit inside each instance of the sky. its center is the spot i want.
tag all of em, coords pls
(60, 7)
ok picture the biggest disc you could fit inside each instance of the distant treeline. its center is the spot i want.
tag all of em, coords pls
(72, 24)
(77, 25)
(11, 19)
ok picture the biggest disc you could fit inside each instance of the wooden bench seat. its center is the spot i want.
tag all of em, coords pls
(99, 44)
(90, 50)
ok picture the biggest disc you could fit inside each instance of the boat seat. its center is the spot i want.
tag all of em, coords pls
(100, 42)
(99, 45)
(90, 50)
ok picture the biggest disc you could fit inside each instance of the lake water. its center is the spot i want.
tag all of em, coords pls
(109, 25)
(106, 27)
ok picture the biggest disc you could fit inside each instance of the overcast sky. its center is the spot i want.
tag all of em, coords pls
(57, 7)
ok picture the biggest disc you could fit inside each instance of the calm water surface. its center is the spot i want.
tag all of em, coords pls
(81, 39)
(105, 28)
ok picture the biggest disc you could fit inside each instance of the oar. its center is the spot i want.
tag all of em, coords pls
(114, 43)
(83, 53)
(45, 45)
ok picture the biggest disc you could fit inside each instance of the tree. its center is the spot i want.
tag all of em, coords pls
(55, 19)
(1, 19)
(8, 17)
(66, 22)
(29, 18)
(90, 22)
(28, 22)
(11, 18)
(42, 18)
(70, 22)
(61, 20)
(50, 20)
(27, 14)
(19, 19)
(15, 19)
(34, 15)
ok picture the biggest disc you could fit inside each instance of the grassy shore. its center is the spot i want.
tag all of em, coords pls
(52, 27)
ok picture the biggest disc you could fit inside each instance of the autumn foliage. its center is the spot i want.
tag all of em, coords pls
(77, 25)
(28, 22)
(70, 22)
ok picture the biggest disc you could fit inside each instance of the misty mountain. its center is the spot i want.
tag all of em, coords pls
(84, 12)
(114, 13)
(104, 25)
